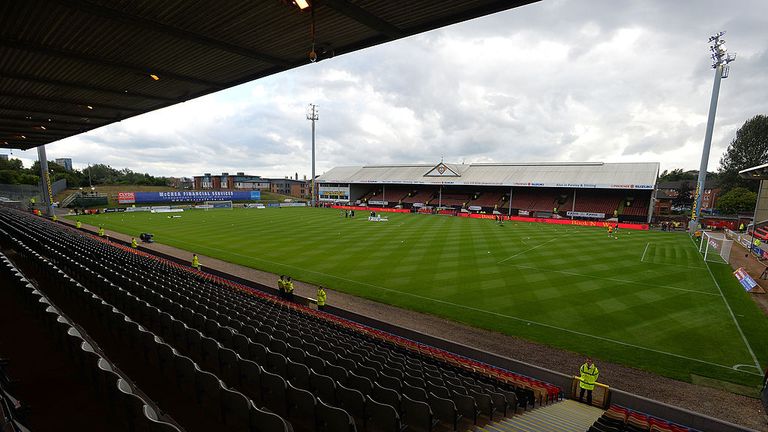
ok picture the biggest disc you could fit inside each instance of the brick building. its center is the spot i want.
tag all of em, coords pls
(239, 181)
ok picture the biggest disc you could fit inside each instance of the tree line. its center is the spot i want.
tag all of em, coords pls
(749, 148)
(12, 171)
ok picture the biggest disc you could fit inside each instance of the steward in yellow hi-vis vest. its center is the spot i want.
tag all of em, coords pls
(134, 244)
(289, 288)
(589, 374)
(321, 298)
(78, 225)
(195, 261)
(101, 231)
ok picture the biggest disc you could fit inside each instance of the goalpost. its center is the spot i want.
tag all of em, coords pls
(218, 205)
(715, 247)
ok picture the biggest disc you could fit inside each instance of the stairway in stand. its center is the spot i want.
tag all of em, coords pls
(564, 416)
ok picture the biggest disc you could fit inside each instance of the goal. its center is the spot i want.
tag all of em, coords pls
(715, 247)
(218, 205)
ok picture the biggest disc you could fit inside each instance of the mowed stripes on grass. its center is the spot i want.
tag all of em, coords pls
(646, 299)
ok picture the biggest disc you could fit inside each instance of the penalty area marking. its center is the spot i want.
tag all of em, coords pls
(642, 258)
(482, 310)
(730, 311)
(613, 279)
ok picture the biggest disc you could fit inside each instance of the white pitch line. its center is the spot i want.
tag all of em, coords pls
(733, 316)
(485, 311)
(644, 251)
(614, 279)
(527, 250)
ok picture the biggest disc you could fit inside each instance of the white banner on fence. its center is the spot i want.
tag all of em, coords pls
(586, 214)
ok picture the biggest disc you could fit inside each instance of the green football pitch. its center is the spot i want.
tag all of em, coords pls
(646, 299)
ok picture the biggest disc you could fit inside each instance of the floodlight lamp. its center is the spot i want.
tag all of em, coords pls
(154, 77)
(302, 4)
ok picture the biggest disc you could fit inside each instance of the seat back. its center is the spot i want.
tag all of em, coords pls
(301, 407)
(381, 417)
(330, 419)
(417, 414)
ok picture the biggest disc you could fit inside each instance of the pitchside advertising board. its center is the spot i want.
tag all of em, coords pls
(186, 196)
(745, 279)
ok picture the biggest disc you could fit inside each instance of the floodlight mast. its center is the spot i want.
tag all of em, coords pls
(720, 60)
(313, 115)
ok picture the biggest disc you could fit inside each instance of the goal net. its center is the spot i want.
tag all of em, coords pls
(715, 247)
(218, 205)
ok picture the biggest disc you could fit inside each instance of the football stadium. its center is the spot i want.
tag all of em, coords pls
(405, 297)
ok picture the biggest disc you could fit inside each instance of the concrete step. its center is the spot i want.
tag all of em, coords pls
(563, 416)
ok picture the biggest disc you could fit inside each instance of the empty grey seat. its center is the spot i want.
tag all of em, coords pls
(185, 374)
(273, 392)
(484, 403)
(258, 353)
(297, 374)
(155, 424)
(445, 410)
(235, 410)
(208, 392)
(264, 421)
(381, 417)
(229, 367)
(417, 415)
(438, 390)
(276, 363)
(336, 372)
(301, 407)
(390, 382)
(353, 402)
(466, 406)
(323, 386)
(367, 372)
(296, 354)
(415, 393)
(240, 344)
(315, 363)
(386, 396)
(359, 383)
(331, 419)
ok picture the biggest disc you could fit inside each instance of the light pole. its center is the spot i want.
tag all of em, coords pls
(313, 115)
(720, 60)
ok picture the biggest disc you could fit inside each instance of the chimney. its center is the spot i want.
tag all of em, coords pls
(297, 176)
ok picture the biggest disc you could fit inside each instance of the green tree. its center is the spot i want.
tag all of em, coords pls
(737, 200)
(748, 149)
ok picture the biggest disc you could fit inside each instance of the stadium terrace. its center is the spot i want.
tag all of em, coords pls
(584, 190)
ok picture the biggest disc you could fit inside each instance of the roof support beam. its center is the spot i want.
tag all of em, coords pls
(148, 24)
(66, 101)
(29, 131)
(85, 86)
(55, 120)
(32, 126)
(95, 60)
(50, 113)
(364, 17)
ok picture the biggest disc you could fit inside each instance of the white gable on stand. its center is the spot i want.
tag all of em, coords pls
(442, 170)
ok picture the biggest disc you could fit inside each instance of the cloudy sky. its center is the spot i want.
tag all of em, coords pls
(559, 80)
